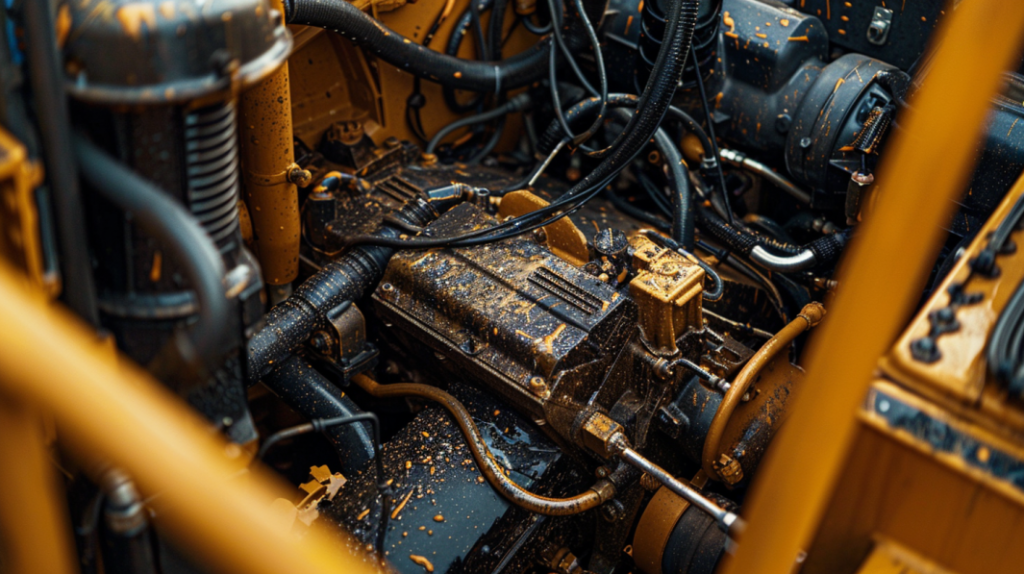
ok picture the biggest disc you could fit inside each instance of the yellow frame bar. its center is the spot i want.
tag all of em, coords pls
(881, 279)
(110, 409)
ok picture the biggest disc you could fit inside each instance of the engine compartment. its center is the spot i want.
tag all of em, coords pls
(500, 287)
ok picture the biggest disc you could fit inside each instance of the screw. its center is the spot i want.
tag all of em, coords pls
(387, 288)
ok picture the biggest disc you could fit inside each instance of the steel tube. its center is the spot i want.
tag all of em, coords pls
(728, 521)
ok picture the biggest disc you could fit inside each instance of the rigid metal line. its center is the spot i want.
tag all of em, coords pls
(728, 521)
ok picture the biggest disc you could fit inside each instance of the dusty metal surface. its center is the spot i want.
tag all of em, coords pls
(511, 313)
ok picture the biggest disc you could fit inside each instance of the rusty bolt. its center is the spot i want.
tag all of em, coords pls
(392, 143)
(648, 482)
(538, 387)
(300, 177)
(601, 472)
(540, 235)
(428, 159)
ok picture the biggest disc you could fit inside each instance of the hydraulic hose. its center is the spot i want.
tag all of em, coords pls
(787, 257)
(682, 199)
(516, 104)
(808, 318)
(311, 395)
(585, 108)
(655, 100)
(682, 207)
(178, 231)
(350, 22)
(347, 278)
(602, 491)
(740, 160)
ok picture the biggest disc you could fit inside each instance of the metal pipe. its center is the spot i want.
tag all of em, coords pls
(728, 521)
(601, 492)
(926, 169)
(738, 159)
(783, 263)
(267, 156)
(61, 171)
(808, 318)
(116, 412)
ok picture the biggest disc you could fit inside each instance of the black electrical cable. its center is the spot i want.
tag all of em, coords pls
(713, 295)
(570, 58)
(711, 133)
(556, 101)
(321, 425)
(350, 22)
(681, 212)
(516, 104)
(178, 231)
(553, 134)
(416, 100)
(651, 109)
(535, 29)
(469, 18)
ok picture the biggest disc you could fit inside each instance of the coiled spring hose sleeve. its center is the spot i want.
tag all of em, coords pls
(178, 231)
(350, 22)
(599, 493)
(818, 253)
(347, 278)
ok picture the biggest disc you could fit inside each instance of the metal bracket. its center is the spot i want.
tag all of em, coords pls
(881, 22)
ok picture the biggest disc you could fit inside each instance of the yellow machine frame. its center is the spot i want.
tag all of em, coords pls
(53, 368)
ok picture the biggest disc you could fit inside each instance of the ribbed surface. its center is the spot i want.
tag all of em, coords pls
(211, 160)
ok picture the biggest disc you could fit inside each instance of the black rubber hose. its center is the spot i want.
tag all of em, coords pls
(178, 231)
(826, 249)
(311, 395)
(470, 18)
(682, 206)
(682, 199)
(289, 324)
(516, 104)
(350, 22)
(655, 100)
(583, 109)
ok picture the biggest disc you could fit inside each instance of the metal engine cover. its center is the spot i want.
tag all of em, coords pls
(535, 329)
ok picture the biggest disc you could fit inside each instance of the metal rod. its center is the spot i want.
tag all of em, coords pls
(728, 521)
(61, 171)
